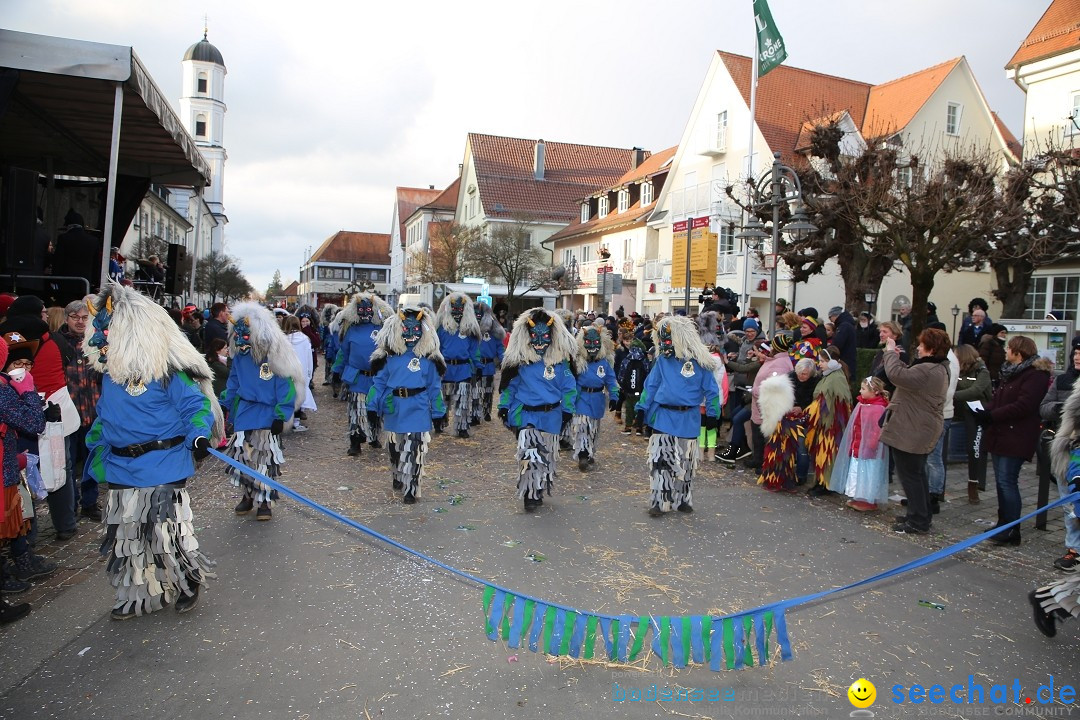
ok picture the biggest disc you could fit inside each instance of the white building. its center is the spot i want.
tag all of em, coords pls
(346, 261)
(402, 235)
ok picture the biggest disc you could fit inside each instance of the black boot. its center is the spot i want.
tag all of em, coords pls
(1046, 622)
(356, 445)
(186, 603)
(245, 505)
(583, 461)
(11, 613)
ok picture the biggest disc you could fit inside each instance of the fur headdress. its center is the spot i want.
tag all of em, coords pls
(489, 325)
(311, 313)
(328, 312)
(607, 348)
(268, 345)
(1061, 450)
(688, 345)
(567, 318)
(468, 326)
(710, 330)
(520, 352)
(145, 344)
(351, 315)
(390, 342)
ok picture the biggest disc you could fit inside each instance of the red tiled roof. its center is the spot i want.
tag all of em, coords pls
(408, 199)
(447, 199)
(788, 96)
(346, 246)
(291, 290)
(1010, 140)
(891, 105)
(634, 215)
(1057, 31)
(652, 165)
(504, 172)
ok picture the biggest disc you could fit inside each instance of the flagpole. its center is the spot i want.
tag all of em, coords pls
(750, 161)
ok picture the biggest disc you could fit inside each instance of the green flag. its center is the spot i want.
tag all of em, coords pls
(770, 46)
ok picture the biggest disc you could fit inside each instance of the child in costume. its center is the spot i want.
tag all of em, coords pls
(490, 354)
(157, 415)
(407, 392)
(360, 323)
(593, 364)
(827, 418)
(537, 392)
(862, 463)
(264, 388)
(632, 373)
(329, 341)
(709, 434)
(680, 380)
(459, 342)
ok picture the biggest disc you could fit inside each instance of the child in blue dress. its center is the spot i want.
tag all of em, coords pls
(594, 373)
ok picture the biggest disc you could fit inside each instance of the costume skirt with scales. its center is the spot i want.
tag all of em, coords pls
(584, 430)
(672, 463)
(1062, 598)
(537, 452)
(361, 422)
(407, 453)
(260, 450)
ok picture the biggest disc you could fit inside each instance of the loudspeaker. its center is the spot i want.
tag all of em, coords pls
(18, 224)
(175, 275)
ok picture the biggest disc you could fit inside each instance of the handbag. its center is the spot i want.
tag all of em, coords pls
(69, 414)
(51, 456)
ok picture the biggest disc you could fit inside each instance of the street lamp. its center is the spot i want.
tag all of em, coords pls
(871, 298)
(772, 191)
(955, 310)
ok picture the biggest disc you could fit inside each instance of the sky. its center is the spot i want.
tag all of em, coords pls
(331, 106)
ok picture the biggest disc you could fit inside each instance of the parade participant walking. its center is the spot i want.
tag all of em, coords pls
(680, 380)
(360, 323)
(537, 393)
(328, 340)
(407, 392)
(459, 340)
(593, 368)
(490, 354)
(633, 370)
(264, 388)
(157, 415)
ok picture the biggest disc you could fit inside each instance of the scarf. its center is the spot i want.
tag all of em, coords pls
(1009, 369)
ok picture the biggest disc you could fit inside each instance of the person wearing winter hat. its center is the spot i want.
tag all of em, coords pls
(992, 350)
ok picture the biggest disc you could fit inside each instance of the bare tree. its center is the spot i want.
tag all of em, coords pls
(449, 249)
(508, 253)
(219, 275)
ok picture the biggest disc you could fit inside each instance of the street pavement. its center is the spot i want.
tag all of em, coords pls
(311, 619)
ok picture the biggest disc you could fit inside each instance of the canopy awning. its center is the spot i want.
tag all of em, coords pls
(56, 113)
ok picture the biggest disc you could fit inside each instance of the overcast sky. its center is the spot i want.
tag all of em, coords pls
(333, 105)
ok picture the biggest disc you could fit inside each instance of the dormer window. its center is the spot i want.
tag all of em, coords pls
(584, 212)
(603, 207)
(952, 118)
(201, 84)
(624, 200)
(646, 193)
(721, 131)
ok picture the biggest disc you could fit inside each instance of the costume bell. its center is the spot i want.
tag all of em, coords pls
(156, 416)
(489, 357)
(360, 323)
(459, 342)
(595, 350)
(680, 382)
(407, 392)
(537, 392)
(264, 388)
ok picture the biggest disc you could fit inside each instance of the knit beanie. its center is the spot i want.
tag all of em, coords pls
(26, 305)
(781, 343)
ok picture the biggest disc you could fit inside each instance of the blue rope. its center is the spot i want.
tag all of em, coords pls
(775, 606)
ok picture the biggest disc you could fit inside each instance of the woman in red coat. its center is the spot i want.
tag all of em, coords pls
(1012, 426)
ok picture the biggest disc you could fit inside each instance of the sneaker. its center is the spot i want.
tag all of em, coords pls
(32, 567)
(15, 586)
(641, 432)
(728, 456)
(297, 427)
(628, 431)
(905, 528)
(92, 513)
(1068, 562)
(743, 452)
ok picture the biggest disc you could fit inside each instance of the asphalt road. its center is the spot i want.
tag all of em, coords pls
(310, 619)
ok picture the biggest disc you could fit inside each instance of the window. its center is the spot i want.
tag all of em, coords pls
(952, 119)
(628, 249)
(200, 126)
(721, 130)
(903, 177)
(567, 257)
(586, 253)
(646, 192)
(201, 83)
(624, 200)
(474, 203)
(603, 205)
(1057, 294)
(1072, 123)
(725, 239)
(584, 212)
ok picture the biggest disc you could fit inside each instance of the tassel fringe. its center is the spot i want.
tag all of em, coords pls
(537, 451)
(672, 463)
(261, 451)
(407, 453)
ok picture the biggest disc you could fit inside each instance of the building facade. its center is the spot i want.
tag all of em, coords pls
(347, 262)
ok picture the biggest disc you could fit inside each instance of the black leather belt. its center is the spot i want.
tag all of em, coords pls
(404, 392)
(677, 407)
(541, 408)
(487, 360)
(457, 362)
(134, 451)
(587, 389)
(369, 373)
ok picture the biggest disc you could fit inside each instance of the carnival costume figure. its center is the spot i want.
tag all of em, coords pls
(566, 438)
(264, 388)
(783, 429)
(827, 417)
(681, 380)
(489, 358)
(459, 342)
(407, 392)
(329, 340)
(156, 416)
(593, 365)
(537, 392)
(360, 323)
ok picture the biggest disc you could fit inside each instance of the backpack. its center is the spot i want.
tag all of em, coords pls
(633, 371)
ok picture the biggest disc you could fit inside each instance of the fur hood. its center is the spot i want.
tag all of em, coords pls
(328, 313)
(519, 351)
(268, 345)
(710, 329)
(350, 315)
(776, 398)
(607, 348)
(489, 325)
(145, 345)
(688, 345)
(468, 326)
(1067, 434)
(389, 341)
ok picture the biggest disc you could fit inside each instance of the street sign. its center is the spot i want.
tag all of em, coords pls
(473, 280)
(440, 290)
(486, 299)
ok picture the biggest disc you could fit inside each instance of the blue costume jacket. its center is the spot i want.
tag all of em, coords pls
(489, 354)
(531, 387)
(590, 384)
(161, 413)
(673, 384)
(456, 349)
(254, 403)
(330, 346)
(413, 413)
(353, 359)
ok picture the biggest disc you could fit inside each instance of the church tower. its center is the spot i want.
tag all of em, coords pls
(202, 111)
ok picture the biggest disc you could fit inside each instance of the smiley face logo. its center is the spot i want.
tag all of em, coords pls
(862, 693)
